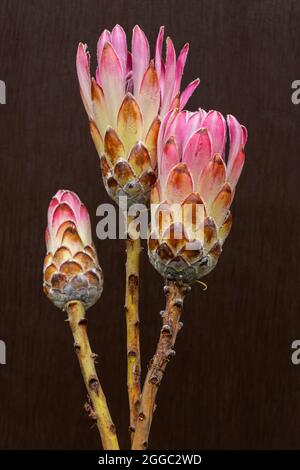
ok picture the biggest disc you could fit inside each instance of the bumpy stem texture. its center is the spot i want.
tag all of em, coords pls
(78, 324)
(175, 293)
(133, 249)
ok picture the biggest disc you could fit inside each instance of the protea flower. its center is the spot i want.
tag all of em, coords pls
(193, 174)
(71, 268)
(125, 103)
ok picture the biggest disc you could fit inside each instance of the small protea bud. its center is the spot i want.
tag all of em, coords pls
(194, 192)
(125, 103)
(71, 268)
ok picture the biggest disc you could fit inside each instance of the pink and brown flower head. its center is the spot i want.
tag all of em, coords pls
(193, 174)
(71, 268)
(125, 102)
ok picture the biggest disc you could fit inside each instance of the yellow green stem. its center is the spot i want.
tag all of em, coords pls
(133, 249)
(78, 324)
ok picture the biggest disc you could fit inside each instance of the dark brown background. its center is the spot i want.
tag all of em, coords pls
(232, 383)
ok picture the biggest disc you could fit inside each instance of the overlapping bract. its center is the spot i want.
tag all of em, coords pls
(192, 174)
(71, 268)
(125, 103)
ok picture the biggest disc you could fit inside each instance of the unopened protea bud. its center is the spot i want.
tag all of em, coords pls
(194, 192)
(71, 268)
(125, 103)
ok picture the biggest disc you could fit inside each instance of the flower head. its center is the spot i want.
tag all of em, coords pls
(71, 268)
(194, 191)
(125, 102)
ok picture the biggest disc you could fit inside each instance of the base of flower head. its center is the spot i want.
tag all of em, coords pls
(87, 295)
(132, 191)
(179, 269)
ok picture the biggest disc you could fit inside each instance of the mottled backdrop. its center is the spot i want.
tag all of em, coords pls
(232, 383)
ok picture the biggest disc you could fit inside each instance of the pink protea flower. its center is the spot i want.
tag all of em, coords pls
(71, 268)
(125, 103)
(193, 174)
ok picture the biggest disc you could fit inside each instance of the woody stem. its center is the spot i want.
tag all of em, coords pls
(133, 249)
(175, 293)
(78, 324)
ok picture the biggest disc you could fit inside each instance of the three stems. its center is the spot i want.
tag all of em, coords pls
(78, 324)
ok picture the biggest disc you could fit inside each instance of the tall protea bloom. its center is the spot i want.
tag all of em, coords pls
(125, 102)
(194, 174)
(71, 268)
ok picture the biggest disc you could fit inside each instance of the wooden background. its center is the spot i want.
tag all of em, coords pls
(232, 383)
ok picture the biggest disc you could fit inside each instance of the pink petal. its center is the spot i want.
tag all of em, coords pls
(140, 57)
(100, 110)
(52, 206)
(61, 214)
(198, 152)
(236, 169)
(169, 77)
(84, 225)
(179, 184)
(162, 135)
(170, 158)
(104, 38)
(216, 125)
(211, 179)
(149, 97)
(180, 67)
(158, 52)
(73, 201)
(84, 77)
(112, 80)
(236, 136)
(245, 135)
(187, 93)
(178, 127)
(119, 42)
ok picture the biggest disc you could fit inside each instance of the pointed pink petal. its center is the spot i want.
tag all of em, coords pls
(170, 158)
(216, 125)
(236, 139)
(211, 179)
(84, 77)
(194, 122)
(119, 42)
(84, 225)
(104, 37)
(140, 57)
(180, 67)
(149, 97)
(169, 77)
(187, 93)
(162, 137)
(198, 152)
(52, 206)
(245, 135)
(61, 214)
(99, 108)
(112, 80)
(73, 201)
(158, 51)
(179, 129)
(236, 169)
(179, 184)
